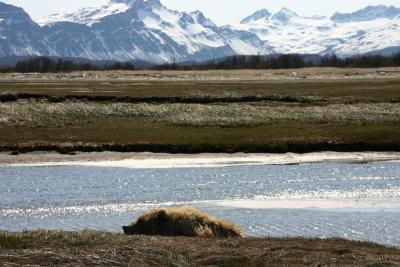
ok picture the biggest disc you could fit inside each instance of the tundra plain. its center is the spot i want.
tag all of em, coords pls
(258, 111)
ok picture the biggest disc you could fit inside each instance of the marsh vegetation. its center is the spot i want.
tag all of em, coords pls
(42, 114)
(187, 114)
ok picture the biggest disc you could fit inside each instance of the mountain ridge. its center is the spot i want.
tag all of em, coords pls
(147, 30)
(367, 13)
(373, 28)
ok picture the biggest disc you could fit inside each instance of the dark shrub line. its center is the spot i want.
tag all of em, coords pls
(45, 64)
(157, 99)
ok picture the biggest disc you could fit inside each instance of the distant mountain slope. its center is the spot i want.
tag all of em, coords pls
(373, 28)
(367, 14)
(146, 30)
(19, 35)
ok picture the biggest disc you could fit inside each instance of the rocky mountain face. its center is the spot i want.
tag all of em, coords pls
(146, 30)
(19, 35)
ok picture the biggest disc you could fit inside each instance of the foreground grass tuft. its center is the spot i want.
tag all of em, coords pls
(183, 221)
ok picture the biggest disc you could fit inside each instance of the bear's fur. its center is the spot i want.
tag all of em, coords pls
(184, 221)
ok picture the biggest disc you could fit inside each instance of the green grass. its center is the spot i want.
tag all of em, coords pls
(116, 134)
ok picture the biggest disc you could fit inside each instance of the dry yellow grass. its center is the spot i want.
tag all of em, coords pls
(184, 221)
(33, 114)
(89, 248)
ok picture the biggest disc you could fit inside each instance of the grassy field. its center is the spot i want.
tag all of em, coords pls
(52, 248)
(342, 113)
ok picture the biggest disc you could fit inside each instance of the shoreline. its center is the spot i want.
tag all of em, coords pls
(142, 160)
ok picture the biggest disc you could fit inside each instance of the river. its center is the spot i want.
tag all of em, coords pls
(353, 201)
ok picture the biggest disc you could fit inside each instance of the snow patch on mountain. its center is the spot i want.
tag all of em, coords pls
(88, 15)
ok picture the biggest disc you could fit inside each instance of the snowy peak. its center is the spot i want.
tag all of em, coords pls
(284, 15)
(89, 15)
(261, 14)
(367, 14)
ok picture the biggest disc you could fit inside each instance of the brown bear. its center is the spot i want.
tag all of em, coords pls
(184, 221)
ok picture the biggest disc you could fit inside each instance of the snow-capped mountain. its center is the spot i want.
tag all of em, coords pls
(374, 28)
(135, 30)
(146, 30)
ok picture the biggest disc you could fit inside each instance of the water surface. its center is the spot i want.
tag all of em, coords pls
(355, 201)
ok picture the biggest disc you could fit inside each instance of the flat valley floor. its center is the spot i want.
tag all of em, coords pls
(303, 110)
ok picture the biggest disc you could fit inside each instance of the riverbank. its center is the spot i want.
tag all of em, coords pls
(163, 160)
(90, 248)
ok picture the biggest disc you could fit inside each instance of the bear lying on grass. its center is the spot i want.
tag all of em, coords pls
(185, 221)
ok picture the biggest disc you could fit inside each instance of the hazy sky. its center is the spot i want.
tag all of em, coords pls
(220, 11)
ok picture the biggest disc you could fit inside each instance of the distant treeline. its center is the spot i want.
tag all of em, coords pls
(282, 61)
(46, 64)
(289, 61)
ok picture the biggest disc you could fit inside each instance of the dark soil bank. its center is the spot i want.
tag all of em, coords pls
(187, 149)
